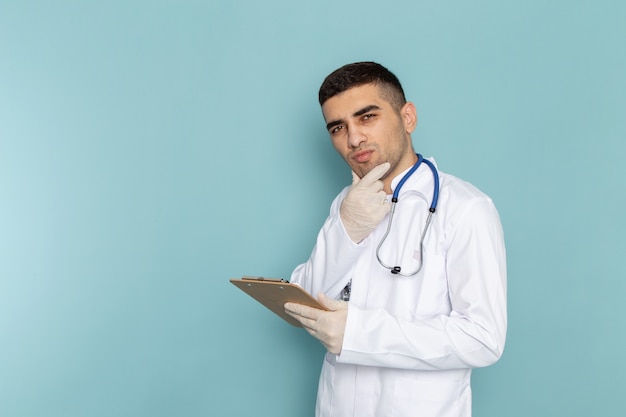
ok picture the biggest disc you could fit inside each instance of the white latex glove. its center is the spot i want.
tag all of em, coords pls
(366, 204)
(326, 326)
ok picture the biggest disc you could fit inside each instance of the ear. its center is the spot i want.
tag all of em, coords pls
(409, 117)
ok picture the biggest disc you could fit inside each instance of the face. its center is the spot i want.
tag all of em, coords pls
(367, 131)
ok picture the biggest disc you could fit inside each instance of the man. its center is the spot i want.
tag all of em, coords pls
(402, 345)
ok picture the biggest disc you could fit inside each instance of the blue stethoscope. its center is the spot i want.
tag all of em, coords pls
(394, 199)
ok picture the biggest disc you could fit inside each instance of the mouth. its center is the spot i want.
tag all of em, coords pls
(362, 156)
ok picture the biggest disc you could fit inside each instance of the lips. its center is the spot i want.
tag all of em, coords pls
(362, 156)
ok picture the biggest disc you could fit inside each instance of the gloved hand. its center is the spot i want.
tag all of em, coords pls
(365, 205)
(326, 326)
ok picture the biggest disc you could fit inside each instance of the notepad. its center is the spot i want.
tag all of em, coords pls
(273, 293)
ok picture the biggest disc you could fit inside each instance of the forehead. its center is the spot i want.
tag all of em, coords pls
(345, 104)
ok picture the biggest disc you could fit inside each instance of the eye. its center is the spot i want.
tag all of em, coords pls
(368, 116)
(336, 129)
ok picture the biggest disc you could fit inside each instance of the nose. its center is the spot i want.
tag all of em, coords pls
(356, 137)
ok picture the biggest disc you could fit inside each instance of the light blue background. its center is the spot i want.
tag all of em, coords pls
(150, 150)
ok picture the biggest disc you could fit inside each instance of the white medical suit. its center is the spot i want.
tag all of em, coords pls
(410, 342)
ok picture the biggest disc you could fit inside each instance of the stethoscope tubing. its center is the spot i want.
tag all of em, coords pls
(397, 270)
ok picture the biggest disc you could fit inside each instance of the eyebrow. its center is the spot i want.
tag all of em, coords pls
(366, 110)
(358, 113)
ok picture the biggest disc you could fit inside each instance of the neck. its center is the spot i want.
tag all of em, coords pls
(404, 164)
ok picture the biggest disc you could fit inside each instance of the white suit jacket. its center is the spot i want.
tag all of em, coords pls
(410, 342)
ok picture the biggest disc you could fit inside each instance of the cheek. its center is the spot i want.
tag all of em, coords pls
(340, 146)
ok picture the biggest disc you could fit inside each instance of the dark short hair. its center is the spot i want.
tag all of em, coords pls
(361, 73)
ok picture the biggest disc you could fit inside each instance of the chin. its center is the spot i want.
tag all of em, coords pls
(363, 170)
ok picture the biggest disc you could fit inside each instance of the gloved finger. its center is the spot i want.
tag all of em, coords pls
(331, 303)
(375, 187)
(294, 309)
(375, 174)
(307, 324)
(375, 194)
(310, 325)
